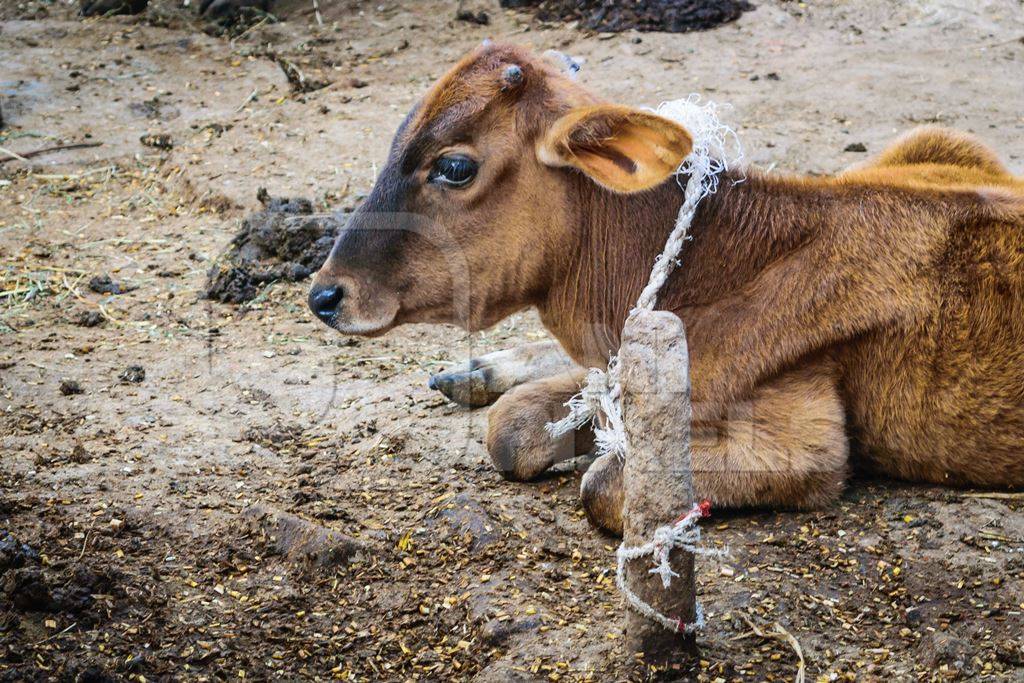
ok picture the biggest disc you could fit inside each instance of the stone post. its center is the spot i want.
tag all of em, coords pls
(657, 479)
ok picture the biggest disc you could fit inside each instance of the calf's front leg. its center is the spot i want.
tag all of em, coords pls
(517, 439)
(480, 381)
(785, 448)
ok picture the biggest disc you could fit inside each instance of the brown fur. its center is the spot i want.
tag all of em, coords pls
(886, 303)
(934, 145)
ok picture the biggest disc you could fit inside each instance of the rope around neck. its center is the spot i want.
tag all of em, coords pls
(715, 148)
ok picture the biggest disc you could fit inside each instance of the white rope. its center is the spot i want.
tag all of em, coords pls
(683, 534)
(715, 149)
(600, 395)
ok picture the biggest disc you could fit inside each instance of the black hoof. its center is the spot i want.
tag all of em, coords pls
(465, 388)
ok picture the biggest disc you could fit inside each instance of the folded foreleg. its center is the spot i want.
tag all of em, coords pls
(785, 448)
(480, 381)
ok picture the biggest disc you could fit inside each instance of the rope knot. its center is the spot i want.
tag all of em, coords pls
(683, 534)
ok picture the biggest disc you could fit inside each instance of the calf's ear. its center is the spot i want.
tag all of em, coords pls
(623, 149)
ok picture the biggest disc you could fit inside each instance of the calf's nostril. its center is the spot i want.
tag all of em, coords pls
(323, 301)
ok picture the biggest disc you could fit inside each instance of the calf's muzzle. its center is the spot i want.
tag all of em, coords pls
(324, 301)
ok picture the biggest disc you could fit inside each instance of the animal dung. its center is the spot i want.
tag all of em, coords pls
(285, 241)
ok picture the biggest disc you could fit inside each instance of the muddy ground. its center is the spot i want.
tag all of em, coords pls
(153, 441)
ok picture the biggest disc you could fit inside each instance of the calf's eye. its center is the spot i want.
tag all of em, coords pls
(453, 171)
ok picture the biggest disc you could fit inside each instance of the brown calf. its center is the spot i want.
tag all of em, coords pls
(879, 311)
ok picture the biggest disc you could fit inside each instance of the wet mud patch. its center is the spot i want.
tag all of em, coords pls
(672, 16)
(464, 518)
(298, 540)
(285, 241)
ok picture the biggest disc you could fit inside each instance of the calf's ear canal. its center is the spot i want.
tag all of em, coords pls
(623, 149)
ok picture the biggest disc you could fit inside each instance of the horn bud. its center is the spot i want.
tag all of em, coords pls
(512, 76)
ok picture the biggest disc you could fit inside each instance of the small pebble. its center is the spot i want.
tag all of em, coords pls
(69, 387)
(89, 319)
(133, 374)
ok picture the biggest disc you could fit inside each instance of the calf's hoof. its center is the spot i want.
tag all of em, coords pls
(467, 388)
(481, 380)
(601, 494)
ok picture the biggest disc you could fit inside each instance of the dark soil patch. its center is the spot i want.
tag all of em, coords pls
(298, 540)
(299, 81)
(89, 319)
(285, 241)
(103, 284)
(32, 589)
(672, 16)
(154, 109)
(14, 554)
(70, 387)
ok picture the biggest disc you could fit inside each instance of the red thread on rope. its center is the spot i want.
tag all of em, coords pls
(703, 509)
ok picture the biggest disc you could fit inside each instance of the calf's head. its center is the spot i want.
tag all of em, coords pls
(478, 205)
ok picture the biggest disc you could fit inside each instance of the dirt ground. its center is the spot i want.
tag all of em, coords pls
(151, 440)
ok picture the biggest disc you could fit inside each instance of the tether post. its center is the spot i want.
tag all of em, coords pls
(656, 411)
